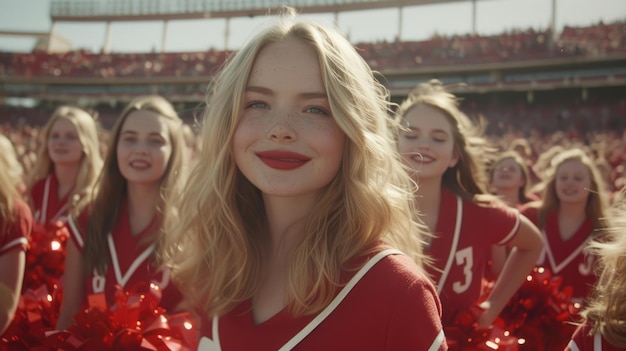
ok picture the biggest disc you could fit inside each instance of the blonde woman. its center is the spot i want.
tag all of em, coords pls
(68, 164)
(16, 222)
(572, 211)
(288, 220)
(605, 314)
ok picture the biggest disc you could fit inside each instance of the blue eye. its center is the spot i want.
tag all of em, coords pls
(257, 104)
(316, 110)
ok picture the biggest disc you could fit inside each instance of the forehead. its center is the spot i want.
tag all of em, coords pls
(280, 63)
(426, 117)
(572, 166)
(63, 123)
(144, 121)
(509, 161)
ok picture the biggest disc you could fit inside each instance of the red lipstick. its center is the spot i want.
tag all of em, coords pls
(283, 160)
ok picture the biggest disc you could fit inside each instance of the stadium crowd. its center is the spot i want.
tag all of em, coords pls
(591, 41)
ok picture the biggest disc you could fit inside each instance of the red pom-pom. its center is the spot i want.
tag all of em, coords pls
(541, 311)
(45, 258)
(134, 322)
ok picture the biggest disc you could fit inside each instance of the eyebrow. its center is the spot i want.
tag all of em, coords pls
(267, 91)
(434, 130)
(135, 132)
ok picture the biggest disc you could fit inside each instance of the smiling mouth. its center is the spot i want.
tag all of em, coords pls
(282, 160)
(139, 165)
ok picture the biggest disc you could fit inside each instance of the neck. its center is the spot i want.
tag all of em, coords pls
(509, 196)
(66, 174)
(285, 219)
(573, 210)
(66, 178)
(142, 199)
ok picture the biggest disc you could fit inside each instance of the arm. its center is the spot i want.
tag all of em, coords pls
(526, 247)
(73, 286)
(11, 278)
(498, 258)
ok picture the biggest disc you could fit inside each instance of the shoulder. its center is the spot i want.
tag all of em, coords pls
(532, 206)
(400, 293)
(22, 210)
(582, 339)
(489, 207)
(18, 230)
(398, 274)
(531, 210)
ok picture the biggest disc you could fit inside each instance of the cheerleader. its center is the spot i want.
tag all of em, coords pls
(571, 212)
(438, 146)
(15, 226)
(604, 328)
(68, 164)
(288, 221)
(114, 240)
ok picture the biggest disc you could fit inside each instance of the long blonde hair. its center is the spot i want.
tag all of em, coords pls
(8, 159)
(606, 309)
(597, 201)
(112, 186)
(219, 246)
(90, 165)
(8, 194)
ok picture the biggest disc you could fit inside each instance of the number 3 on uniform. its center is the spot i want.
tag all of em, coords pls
(466, 259)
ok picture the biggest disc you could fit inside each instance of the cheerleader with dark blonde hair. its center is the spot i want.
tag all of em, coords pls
(604, 328)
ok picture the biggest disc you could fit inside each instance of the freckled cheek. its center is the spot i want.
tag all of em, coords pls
(245, 135)
(332, 143)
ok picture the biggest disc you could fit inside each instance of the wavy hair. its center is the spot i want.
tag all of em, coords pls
(606, 309)
(467, 178)
(8, 184)
(90, 165)
(220, 246)
(597, 201)
(112, 186)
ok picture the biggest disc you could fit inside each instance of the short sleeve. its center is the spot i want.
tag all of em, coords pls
(416, 321)
(18, 231)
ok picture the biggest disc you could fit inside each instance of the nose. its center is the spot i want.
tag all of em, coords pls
(281, 131)
(141, 148)
(422, 144)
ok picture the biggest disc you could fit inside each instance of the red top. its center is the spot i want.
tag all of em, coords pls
(130, 260)
(582, 340)
(393, 307)
(566, 258)
(461, 247)
(47, 206)
(17, 233)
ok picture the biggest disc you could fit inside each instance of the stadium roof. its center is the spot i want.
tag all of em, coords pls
(144, 10)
